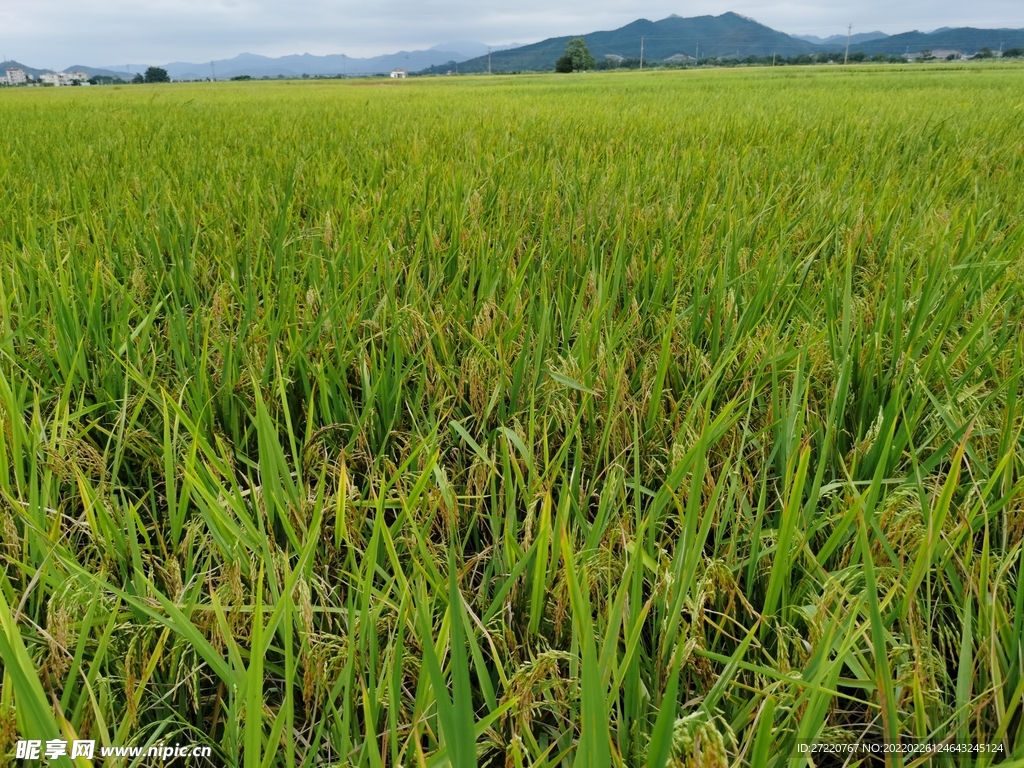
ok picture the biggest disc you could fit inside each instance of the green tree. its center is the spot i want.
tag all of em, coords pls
(984, 53)
(157, 75)
(138, 78)
(577, 57)
(1013, 53)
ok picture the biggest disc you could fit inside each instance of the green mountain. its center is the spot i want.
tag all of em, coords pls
(839, 41)
(727, 35)
(99, 72)
(967, 40)
(11, 64)
(91, 71)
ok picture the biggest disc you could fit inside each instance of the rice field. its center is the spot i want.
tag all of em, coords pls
(636, 419)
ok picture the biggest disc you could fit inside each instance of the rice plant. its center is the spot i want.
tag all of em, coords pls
(638, 419)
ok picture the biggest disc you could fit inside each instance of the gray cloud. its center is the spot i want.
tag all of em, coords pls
(59, 33)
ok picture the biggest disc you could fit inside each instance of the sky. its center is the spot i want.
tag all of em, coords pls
(60, 33)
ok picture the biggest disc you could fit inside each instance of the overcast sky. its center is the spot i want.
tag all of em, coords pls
(60, 33)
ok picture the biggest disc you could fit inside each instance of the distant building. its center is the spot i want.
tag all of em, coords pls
(398, 73)
(15, 77)
(679, 58)
(64, 78)
(936, 55)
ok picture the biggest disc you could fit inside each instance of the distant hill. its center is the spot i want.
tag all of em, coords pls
(257, 66)
(833, 40)
(727, 35)
(964, 39)
(470, 49)
(11, 64)
(97, 72)
(91, 71)
(730, 35)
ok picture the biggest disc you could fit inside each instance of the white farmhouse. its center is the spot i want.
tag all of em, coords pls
(15, 77)
(398, 73)
(64, 78)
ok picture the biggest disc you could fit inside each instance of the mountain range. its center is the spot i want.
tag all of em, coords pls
(834, 40)
(967, 40)
(336, 64)
(727, 35)
(732, 35)
(257, 66)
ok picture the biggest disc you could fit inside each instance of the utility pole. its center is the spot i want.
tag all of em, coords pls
(488, 59)
(773, 59)
(213, 72)
(344, 68)
(849, 31)
(641, 54)
(696, 53)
